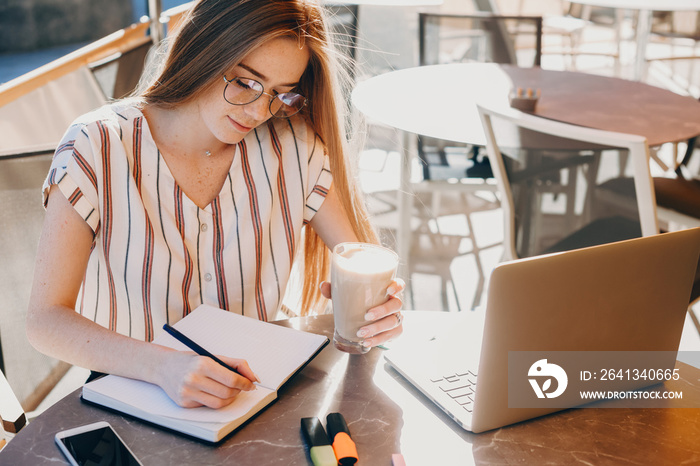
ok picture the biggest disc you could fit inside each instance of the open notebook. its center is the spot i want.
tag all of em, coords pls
(274, 353)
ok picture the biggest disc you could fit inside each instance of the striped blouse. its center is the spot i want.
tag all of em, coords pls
(156, 255)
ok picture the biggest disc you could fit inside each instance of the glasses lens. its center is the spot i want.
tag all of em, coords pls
(287, 104)
(241, 91)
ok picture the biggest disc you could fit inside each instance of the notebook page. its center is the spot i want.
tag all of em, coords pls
(152, 399)
(274, 353)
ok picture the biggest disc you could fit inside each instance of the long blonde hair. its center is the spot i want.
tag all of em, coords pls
(217, 34)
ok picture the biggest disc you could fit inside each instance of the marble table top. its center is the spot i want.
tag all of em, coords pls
(385, 416)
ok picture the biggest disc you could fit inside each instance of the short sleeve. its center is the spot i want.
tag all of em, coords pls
(73, 170)
(320, 179)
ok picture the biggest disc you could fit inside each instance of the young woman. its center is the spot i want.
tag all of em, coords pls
(196, 191)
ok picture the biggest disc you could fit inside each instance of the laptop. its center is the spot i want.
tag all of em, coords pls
(629, 297)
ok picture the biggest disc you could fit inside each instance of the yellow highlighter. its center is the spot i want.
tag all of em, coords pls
(320, 449)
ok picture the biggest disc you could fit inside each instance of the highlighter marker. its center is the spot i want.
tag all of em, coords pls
(344, 447)
(320, 448)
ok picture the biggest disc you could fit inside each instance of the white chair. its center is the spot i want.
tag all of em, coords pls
(570, 24)
(674, 49)
(605, 214)
(530, 154)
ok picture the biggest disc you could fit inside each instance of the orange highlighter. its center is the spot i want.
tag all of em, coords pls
(343, 446)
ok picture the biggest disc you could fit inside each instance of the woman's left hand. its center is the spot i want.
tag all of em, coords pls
(386, 319)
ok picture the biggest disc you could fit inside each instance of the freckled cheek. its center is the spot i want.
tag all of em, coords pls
(218, 126)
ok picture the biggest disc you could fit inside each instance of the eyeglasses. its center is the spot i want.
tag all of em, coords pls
(242, 91)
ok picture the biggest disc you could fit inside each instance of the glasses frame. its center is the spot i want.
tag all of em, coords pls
(262, 92)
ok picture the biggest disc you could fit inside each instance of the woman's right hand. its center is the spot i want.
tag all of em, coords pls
(191, 380)
(54, 328)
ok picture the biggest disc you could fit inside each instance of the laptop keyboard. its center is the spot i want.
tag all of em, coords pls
(458, 386)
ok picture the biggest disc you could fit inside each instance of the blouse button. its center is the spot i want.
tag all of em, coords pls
(207, 277)
(204, 227)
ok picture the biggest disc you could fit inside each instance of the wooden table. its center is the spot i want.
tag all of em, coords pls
(386, 415)
(440, 101)
(646, 9)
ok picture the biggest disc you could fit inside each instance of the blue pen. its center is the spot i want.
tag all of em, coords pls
(195, 347)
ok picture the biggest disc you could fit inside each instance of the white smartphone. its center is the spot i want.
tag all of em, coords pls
(95, 443)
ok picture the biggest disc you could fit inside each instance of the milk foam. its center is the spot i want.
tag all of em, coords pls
(366, 262)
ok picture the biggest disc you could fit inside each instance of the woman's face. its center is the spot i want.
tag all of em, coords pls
(278, 65)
